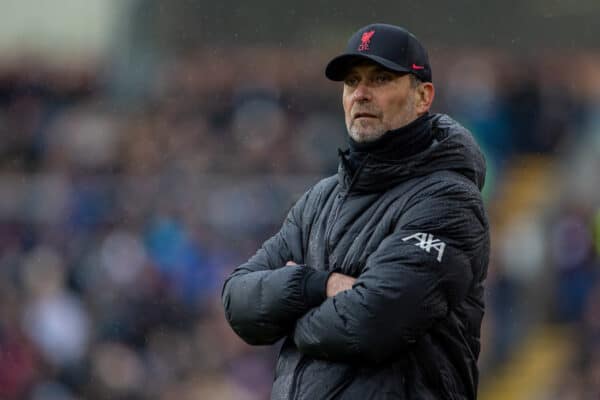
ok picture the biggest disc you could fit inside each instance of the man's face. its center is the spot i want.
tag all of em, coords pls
(377, 100)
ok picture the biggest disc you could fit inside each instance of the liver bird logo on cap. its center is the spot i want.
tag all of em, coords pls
(365, 40)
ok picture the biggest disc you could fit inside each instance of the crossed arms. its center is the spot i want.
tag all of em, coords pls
(335, 283)
(401, 292)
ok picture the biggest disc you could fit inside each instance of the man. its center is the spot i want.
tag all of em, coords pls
(375, 279)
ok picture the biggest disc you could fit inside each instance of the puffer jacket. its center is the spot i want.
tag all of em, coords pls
(414, 234)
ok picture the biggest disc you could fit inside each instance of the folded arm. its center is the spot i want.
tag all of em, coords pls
(264, 297)
(411, 281)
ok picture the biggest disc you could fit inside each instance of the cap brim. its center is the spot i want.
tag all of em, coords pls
(338, 67)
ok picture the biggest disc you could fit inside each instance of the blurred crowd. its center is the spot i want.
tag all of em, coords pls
(120, 218)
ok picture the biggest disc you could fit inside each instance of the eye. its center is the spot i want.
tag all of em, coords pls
(382, 78)
(351, 81)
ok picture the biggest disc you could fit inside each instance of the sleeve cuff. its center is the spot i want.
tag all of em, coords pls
(315, 287)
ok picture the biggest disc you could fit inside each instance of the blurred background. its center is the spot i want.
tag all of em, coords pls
(148, 147)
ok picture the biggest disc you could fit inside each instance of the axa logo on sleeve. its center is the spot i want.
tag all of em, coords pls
(426, 241)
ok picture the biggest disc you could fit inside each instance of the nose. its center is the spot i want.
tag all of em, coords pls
(361, 93)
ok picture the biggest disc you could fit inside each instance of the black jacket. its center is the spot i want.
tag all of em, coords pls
(415, 234)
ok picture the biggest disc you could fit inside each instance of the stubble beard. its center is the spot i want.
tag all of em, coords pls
(362, 132)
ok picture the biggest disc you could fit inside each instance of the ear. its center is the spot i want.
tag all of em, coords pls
(424, 98)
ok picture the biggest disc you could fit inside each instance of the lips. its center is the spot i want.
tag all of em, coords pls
(363, 115)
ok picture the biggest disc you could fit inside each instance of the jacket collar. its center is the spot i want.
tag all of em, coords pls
(451, 147)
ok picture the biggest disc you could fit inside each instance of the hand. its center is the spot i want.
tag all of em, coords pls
(338, 283)
(335, 283)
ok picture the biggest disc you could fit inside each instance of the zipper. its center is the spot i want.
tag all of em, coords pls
(300, 367)
(340, 198)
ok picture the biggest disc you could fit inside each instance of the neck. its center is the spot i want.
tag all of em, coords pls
(397, 143)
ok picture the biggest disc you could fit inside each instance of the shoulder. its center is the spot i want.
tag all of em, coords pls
(321, 189)
(443, 186)
(448, 206)
(453, 182)
(326, 184)
(316, 195)
(447, 196)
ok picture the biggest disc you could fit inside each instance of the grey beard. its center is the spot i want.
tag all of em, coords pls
(365, 137)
